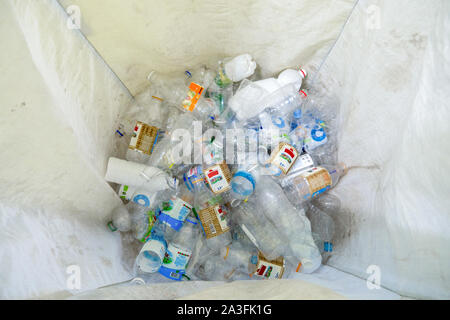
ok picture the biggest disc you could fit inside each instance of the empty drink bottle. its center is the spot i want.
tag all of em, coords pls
(180, 250)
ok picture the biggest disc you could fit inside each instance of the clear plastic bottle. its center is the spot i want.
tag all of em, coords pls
(175, 209)
(151, 256)
(243, 183)
(323, 229)
(253, 97)
(303, 162)
(290, 222)
(279, 156)
(239, 258)
(262, 232)
(327, 202)
(143, 131)
(188, 95)
(213, 216)
(277, 116)
(166, 153)
(120, 219)
(180, 250)
(296, 118)
(235, 69)
(308, 184)
(193, 176)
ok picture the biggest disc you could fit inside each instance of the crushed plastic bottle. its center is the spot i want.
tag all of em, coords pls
(179, 251)
(253, 97)
(323, 229)
(292, 223)
(188, 94)
(259, 230)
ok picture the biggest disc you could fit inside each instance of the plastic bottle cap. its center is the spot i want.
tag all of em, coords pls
(298, 114)
(111, 226)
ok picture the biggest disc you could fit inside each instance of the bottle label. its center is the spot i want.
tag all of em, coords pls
(267, 269)
(193, 177)
(139, 196)
(284, 157)
(249, 235)
(151, 255)
(218, 177)
(214, 221)
(174, 212)
(194, 93)
(315, 135)
(174, 262)
(318, 179)
(144, 137)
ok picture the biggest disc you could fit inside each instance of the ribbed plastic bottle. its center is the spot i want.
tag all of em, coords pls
(290, 222)
(180, 250)
(213, 216)
(261, 231)
(308, 184)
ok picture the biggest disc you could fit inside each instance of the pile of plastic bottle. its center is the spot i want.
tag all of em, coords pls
(225, 176)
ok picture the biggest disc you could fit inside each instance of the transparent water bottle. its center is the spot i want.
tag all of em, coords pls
(188, 95)
(151, 256)
(243, 183)
(143, 131)
(239, 258)
(308, 184)
(120, 219)
(253, 97)
(166, 153)
(213, 216)
(328, 202)
(296, 118)
(180, 250)
(176, 208)
(260, 231)
(323, 229)
(292, 223)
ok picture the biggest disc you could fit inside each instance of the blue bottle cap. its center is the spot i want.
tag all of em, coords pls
(298, 114)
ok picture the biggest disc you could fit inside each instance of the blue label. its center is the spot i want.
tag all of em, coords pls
(142, 199)
(315, 194)
(171, 222)
(318, 134)
(278, 122)
(327, 246)
(173, 274)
